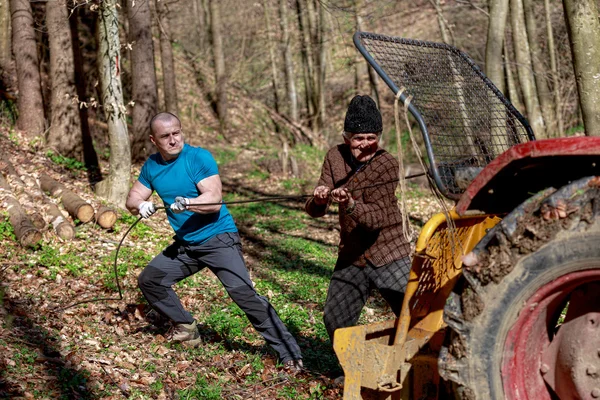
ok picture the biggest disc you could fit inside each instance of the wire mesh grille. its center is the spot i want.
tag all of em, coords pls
(469, 121)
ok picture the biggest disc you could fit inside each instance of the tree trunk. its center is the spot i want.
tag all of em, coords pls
(75, 205)
(116, 186)
(358, 6)
(64, 134)
(271, 44)
(288, 62)
(30, 103)
(166, 58)
(554, 69)
(5, 45)
(322, 62)
(219, 60)
(494, 66)
(25, 232)
(201, 21)
(513, 93)
(584, 28)
(143, 74)
(445, 30)
(306, 53)
(524, 68)
(90, 157)
(540, 73)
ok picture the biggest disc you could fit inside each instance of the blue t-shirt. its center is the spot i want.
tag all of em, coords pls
(179, 177)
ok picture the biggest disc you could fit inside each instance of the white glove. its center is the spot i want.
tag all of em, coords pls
(179, 205)
(146, 209)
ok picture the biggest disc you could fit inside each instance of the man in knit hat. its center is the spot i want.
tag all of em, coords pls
(373, 252)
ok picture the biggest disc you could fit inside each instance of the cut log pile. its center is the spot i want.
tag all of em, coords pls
(34, 205)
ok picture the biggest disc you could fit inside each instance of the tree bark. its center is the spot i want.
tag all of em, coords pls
(583, 27)
(306, 53)
(494, 65)
(64, 134)
(166, 58)
(524, 68)
(143, 74)
(271, 44)
(116, 186)
(26, 233)
(90, 157)
(288, 62)
(370, 71)
(219, 60)
(5, 45)
(554, 69)
(30, 103)
(445, 30)
(75, 205)
(513, 93)
(540, 73)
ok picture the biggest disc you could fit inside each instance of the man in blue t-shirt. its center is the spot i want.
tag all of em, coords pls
(187, 180)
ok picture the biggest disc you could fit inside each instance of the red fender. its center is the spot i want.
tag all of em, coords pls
(527, 168)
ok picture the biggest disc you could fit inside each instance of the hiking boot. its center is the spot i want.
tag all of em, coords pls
(186, 334)
(293, 366)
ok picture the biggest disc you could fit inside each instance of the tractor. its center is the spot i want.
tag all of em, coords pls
(503, 298)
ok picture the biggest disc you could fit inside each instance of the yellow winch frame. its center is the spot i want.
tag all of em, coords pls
(397, 359)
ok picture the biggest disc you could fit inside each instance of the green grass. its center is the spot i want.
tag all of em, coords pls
(66, 162)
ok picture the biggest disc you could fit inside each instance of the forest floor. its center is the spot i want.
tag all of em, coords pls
(110, 349)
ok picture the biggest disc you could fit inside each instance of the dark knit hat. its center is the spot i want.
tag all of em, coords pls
(363, 116)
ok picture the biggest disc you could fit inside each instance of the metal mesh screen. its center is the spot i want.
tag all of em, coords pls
(468, 121)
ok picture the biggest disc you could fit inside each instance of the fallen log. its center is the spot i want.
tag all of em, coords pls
(26, 233)
(106, 217)
(75, 205)
(63, 228)
(21, 193)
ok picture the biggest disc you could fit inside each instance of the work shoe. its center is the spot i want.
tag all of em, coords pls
(293, 366)
(186, 334)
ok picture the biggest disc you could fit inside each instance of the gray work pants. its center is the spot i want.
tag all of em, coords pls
(222, 254)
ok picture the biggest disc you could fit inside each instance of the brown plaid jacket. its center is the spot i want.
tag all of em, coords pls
(373, 230)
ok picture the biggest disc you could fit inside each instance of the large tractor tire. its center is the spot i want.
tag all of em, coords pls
(506, 315)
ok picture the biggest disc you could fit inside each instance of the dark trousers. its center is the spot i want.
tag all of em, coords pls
(350, 287)
(222, 254)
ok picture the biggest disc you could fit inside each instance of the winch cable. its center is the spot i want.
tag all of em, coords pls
(228, 203)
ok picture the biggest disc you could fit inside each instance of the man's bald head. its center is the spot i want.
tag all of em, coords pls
(162, 117)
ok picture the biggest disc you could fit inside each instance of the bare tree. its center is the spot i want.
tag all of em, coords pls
(166, 57)
(30, 104)
(219, 60)
(539, 69)
(143, 73)
(5, 46)
(271, 44)
(358, 6)
(116, 186)
(64, 134)
(583, 25)
(445, 29)
(288, 62)
(524, 67)
(89, 152)
(306, 52)
(494, 65)
(554, 69)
